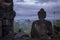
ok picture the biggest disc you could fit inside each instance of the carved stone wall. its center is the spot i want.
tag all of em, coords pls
(7, 15)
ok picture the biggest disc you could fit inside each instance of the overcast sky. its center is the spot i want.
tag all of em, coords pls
(27, 9)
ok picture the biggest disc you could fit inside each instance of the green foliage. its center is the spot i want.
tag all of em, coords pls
(23, 26)
(19, 30)
(57, 22)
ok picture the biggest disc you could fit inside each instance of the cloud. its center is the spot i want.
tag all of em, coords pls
(31, 7)
(42, 1)
(19, 0)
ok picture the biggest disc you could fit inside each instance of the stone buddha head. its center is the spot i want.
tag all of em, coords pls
(41, 14)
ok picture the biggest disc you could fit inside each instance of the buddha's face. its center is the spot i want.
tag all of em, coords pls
(41, 16)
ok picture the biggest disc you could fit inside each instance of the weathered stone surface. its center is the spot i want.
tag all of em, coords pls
(21, 36)
(7, 15)
(7, 5)
(0, 29)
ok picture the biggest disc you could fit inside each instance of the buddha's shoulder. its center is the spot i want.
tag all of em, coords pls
(47, 21)
(37, 21)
